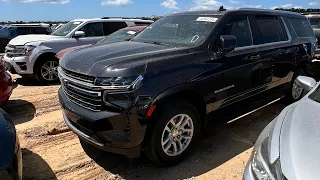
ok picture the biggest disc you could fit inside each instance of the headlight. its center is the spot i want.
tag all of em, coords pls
(28, 49)
(261, 166)
(120, 83)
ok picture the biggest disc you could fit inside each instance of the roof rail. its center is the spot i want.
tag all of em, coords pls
(119, 18)
(307, 13)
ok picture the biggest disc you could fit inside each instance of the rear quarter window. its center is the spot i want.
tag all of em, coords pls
(302, 27)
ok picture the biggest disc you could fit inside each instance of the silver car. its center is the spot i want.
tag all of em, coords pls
(288, 148)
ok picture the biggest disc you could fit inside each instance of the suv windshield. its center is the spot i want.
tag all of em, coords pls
(178, 30)
(315, 22)
(66, 29)
(121, 35)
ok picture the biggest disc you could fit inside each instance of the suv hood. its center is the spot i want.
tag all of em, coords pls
(23, 39)
(116, 59)
(299, 141)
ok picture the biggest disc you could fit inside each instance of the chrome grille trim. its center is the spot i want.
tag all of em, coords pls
(92, 93)
(78, 76)
(72, 96)
(78, 94)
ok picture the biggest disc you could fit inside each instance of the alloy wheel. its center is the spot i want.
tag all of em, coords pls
(177, 135)
(49, 71)
(296, 91)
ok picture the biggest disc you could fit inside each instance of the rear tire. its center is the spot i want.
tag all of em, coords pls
(46, 71)
(295, 93)
(174, 134)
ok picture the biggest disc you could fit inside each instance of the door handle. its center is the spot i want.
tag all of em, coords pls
(257, 57)
(285, 51)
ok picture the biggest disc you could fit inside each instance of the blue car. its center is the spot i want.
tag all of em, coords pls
(10, 152)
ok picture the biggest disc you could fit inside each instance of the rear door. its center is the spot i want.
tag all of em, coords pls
(271, 38)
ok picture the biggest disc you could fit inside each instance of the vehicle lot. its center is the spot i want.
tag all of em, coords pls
(51, 151)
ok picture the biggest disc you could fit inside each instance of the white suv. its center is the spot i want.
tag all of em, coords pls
(35, 54)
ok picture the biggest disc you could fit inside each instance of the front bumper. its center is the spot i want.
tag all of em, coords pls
(18, 65)
(248, 173)
(119, 133)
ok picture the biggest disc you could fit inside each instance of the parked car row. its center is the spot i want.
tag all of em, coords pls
(9, 32)
(124, 34)
(35, 54)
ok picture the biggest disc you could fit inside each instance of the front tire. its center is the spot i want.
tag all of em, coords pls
(46, 71)
(174, 134)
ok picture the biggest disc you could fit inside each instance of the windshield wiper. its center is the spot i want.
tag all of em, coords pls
(157, 43)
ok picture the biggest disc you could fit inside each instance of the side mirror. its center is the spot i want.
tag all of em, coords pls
(79, 34)
(306, 83)
(228, 43)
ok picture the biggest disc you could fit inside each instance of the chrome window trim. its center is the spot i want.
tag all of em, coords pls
(268, 44)
(287, 29)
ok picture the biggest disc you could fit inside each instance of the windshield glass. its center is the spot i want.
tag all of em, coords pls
(315, 22)
(178, 30)
(121, 35)
(66, 29)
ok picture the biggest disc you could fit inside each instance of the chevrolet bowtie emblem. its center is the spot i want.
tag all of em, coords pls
(64, 81)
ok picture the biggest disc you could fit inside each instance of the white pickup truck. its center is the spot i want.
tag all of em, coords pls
(35, 54)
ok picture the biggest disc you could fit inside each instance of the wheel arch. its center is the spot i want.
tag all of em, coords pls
(44, 56)
(172, 94)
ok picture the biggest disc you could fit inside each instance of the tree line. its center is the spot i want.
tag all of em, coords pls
(59, 22)
(300, 10)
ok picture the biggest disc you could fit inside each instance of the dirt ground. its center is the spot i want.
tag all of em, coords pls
(51, 151)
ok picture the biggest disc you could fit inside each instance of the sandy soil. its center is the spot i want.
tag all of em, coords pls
(51, 151)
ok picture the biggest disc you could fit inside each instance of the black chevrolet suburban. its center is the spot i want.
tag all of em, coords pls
(155, 93)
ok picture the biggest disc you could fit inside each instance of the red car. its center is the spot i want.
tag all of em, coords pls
(120, 35)
(5, 83)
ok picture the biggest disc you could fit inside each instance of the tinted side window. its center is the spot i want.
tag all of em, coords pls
(240, 28)
(39, 30)
(302, 27)
(142, 23)
(111, 27)
(268, 30)
(23, 30)
(93, 29)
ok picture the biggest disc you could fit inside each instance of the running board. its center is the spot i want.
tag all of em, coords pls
(243, 108)
(257, 109)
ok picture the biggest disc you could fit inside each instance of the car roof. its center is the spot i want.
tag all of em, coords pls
(112, 19)
(241, 10)
(135, 28)
(29, 25)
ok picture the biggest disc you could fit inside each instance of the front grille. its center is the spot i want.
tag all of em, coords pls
(14, 51)
(76, 93)
(80, 77)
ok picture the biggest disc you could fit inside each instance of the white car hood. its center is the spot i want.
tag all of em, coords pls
(22, 40)
(300, 141)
